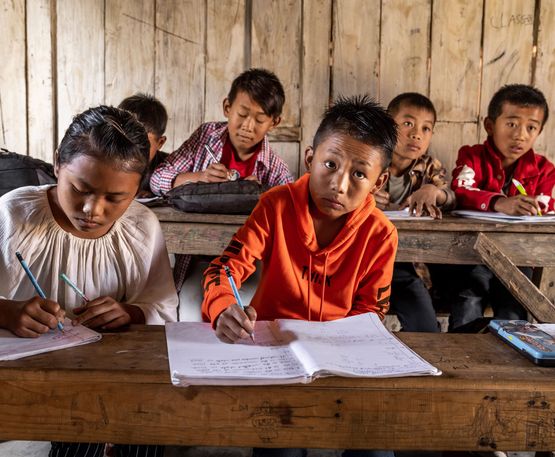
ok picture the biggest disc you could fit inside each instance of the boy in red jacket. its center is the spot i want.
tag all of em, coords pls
(482, 181)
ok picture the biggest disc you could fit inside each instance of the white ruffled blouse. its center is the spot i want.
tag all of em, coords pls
(130, 263)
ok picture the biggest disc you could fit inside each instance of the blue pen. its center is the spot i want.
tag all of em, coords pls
(235, 292)
(34, 281)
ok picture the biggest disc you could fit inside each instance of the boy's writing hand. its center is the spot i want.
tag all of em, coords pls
(426, 200)
(31, 318)
(216, 172)
(519, 205)
(382, 200)
(234, 324)
(105, 312)
(252, 178)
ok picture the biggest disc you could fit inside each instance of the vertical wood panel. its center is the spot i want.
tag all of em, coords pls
(180, 65)
(289, 152)
(447, 140)
(356, 47)
(315, 67)
(129, 48)
(455, 63)
(13, 117)
(40, 105)
(80, 58)
(545, 75)
(508, 39)
(276, 42)
(404, 47)
(225, 52)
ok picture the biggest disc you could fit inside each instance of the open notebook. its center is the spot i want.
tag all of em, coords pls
(13, 347)
(290, 351)
(504, 218)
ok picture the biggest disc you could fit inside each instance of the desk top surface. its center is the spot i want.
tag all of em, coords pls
(449, 223)
(139, 355)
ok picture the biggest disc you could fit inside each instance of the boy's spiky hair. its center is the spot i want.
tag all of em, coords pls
(263, 87)
(519, 95)
(411, 99)
(149, 110)
(361, 118)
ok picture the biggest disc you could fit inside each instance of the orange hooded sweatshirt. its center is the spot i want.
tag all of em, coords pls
(352, 275)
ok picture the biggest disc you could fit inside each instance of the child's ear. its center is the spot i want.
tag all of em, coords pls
(488, 125)
(308, 157)
(56, 163)
(275, 123)
(226, 106)
(380, 182)
(161, 142)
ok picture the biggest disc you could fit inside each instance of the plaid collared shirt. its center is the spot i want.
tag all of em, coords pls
(192, 156)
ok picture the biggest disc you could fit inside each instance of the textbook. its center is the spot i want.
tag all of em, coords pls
(289, 351)
(504, 218)
(13, 347)
(404, 214)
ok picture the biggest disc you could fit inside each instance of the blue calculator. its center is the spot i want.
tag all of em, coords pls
(526, 338)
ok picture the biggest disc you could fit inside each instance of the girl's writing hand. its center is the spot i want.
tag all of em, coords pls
(425, 200)
(234, 324)
(519, 205)
(102, 312)
(31, 318)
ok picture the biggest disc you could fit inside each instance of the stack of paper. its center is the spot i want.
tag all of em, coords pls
(290, 351)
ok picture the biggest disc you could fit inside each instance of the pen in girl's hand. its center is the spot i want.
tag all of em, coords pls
(34, 282)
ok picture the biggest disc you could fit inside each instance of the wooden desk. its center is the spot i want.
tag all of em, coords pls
(451, 240)
(118, 390)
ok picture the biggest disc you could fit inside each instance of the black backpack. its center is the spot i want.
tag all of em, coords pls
(232, 197)
(17, 170)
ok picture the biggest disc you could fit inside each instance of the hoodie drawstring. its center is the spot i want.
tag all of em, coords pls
(323, 287)
(309, 281)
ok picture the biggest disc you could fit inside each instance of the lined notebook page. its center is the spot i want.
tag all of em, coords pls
(13, 347)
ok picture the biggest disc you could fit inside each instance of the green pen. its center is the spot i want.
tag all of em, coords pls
(522, 190)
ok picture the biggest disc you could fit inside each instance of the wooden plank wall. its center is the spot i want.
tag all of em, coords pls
(67, 55)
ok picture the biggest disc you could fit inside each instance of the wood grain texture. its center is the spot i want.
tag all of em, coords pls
(13, 90)
(545, 74)
(225, 52)
(315, 67)
(40, 89)
(405, 41)
(129, 49)
(449, 137)
(508, 39)
(180, 66)
(356, 47)
(79, 58)
(118, 390)
(455, 64)
(276, 45)
(513, 279)
(547, 283)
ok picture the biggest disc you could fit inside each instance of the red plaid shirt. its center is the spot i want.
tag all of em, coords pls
(191, 156)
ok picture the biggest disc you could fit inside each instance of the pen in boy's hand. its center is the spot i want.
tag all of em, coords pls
(236, 292)
(522, 191)
(211, 153)
(34, 282)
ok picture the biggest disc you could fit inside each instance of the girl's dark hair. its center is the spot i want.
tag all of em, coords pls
(361, 118)
(413, 99)
(149, 110)
(263, 87)
(519, 95)
(109, 134)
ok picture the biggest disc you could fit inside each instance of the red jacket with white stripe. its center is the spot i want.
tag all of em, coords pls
(479, 176)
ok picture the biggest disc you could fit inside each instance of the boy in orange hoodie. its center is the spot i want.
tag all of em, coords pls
(327, 251)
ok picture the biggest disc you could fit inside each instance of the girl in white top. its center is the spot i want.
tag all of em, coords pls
(89, 227)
